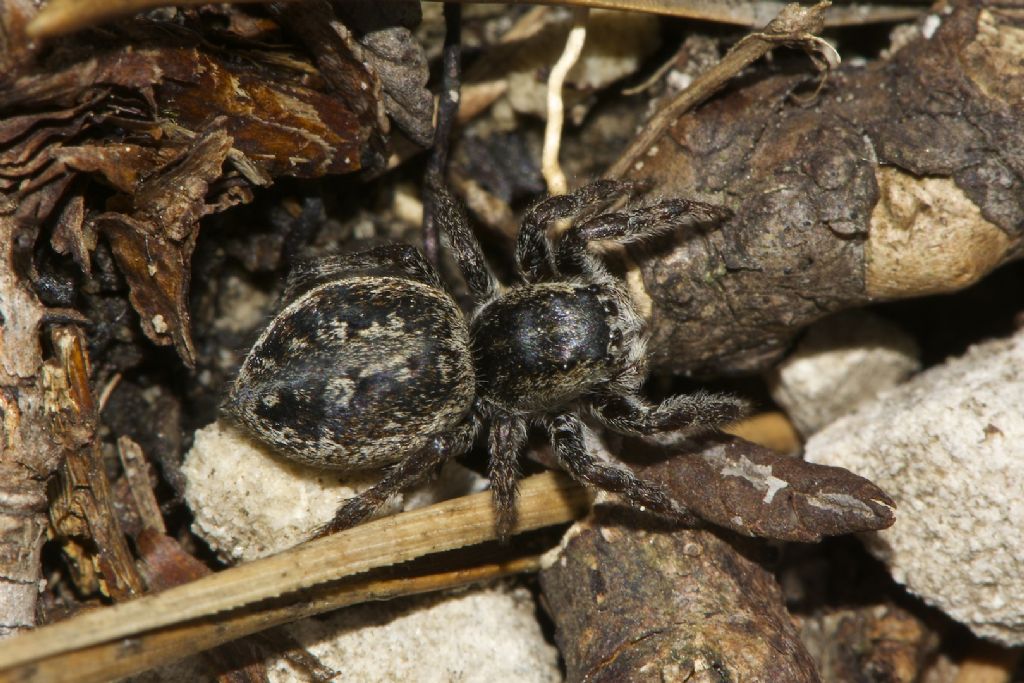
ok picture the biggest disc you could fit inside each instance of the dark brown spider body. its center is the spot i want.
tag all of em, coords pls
(370, 362)
(539, 347)
(356, 372)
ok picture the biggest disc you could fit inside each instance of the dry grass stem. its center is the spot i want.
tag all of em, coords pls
(755, 13)
(772, 430)
(60, 17)
(989, 663)
(112, 659)
(546, 499)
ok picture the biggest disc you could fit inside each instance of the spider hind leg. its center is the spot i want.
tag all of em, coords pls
(403, 475)
(505, 443)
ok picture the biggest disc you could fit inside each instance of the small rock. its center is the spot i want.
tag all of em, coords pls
(840, 363)
(249, 502)
(948, 446)
(484, 635)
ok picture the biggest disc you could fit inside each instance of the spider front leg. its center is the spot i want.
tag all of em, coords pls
(631, 225)
(454, 224)
(402, 475)
(534, 257)
(566, 432)
(697, 412)
(505, 444)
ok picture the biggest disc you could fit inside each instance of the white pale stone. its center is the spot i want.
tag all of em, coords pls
(482, 635)
(249, 502)
(948, 446)
(841, 362)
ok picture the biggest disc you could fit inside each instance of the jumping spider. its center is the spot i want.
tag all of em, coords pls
(371, 364)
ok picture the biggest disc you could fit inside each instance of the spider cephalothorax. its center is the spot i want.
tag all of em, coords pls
(371, 364)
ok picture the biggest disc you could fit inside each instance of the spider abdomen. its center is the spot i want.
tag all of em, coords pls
(539, 346)
(357, 373)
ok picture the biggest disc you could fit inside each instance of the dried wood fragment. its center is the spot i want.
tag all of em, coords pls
(882, 642)
(153, 237)
(82, 509)
(631, 604)
(136, 472)
(903, 179)
(757, 492)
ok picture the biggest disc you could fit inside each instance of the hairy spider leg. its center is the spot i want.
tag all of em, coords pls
(567, 437)
(404, 474)
(451, 219)
(630, 226)
(534, 258)
(693, 413)
(505, 443)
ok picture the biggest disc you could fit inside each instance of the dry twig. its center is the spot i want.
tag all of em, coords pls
(546, 499)
(111, 659)
(793, 25)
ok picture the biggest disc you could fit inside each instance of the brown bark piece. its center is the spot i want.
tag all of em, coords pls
(754, 491)
(28, 452)
(883, 643)
(635, 605)
(185, 112)
(340, 61)
(152, 239)
(281, 125)
(82, 510)
(804, 183)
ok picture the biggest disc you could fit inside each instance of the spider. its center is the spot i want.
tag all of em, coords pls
(371, 364)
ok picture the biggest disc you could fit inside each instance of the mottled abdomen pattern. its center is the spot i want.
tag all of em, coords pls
(358, 373)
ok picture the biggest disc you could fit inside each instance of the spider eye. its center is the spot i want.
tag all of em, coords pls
(611, 309)
(616, 338)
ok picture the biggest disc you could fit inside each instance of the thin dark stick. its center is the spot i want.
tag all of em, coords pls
(447, 108)
(794, 25)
